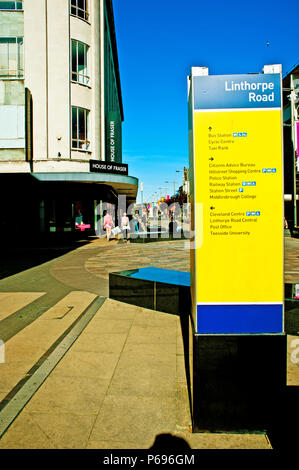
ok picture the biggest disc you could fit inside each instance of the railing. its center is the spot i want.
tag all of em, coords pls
(80, 144)
(78, 77)
(11, 73)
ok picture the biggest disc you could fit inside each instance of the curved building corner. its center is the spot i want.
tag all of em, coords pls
(62, 113)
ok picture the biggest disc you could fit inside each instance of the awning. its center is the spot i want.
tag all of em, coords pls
(122, 185)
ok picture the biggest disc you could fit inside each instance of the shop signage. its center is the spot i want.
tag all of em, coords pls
(113, 137)
(235, 132)
(108, 167)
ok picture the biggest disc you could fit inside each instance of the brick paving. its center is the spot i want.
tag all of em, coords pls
(291, 265)
(56, 406)
(168, 255)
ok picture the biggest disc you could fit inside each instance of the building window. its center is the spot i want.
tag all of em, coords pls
(80, 8)
(11, 58)
(80, 62)
(11, 5)
(80, 128)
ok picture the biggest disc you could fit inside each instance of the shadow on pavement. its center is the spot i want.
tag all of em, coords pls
(283, 433)
(20, 254)
(169, 442)
(279, 419)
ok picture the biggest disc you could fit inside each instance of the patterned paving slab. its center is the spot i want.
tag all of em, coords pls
(168, 255)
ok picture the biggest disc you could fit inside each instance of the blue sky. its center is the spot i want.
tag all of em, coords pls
(158, 42)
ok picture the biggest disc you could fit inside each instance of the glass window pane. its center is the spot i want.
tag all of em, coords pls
(81, 124)
(7, 5)
(80, 118)
(87, 128)
(3, 58)
(74, 57)
(79, 8)
(12, 58)
(81, 61)
(87, 65)
(20, 57)
(74, 125)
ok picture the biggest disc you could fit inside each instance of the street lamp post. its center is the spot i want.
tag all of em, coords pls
(174, 182)
(179, 171)
(167, 186)
(141, 190)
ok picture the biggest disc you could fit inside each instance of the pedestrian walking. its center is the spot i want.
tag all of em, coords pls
(108, 224)
(135, 223)
(286, 223)
(125, 225)
(144, 220)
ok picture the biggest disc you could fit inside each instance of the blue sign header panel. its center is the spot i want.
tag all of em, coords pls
(237, 91)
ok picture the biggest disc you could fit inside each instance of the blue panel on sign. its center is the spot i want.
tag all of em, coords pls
(237, 91)
(167, 276)
(240, 319)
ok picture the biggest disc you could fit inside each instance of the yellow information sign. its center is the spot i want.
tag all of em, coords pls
(237, 193)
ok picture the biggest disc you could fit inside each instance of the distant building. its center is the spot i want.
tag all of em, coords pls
(186, 182)
(61, 112)
(291, 144)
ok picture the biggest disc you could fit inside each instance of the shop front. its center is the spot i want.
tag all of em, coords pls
(61, 202)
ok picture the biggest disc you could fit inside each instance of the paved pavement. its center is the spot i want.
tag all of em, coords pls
(83, 371)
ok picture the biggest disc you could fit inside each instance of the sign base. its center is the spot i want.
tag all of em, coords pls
(237, 381)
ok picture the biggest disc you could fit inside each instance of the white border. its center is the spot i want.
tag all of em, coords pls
(239, 303)
(230, 110)
(194, 308)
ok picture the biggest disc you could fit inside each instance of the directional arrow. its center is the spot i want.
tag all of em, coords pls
(211, 158)
(212, 207)
(210, 128)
